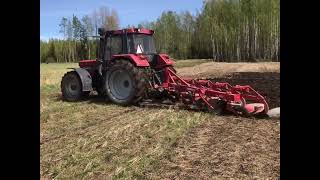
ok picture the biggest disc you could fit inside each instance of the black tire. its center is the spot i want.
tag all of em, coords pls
(71, 87)
(125, 83)
(101, 93)
(99, 85)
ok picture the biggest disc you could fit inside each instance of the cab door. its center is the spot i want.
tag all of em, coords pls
(113, 46)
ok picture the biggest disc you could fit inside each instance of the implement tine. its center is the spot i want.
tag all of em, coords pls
(209, 93)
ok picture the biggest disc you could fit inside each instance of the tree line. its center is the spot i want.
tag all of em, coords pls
(224, 30)
(78, 40)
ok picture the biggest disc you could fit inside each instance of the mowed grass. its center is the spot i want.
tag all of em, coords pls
(95, 139)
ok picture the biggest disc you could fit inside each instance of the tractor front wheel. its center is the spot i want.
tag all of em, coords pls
(125, 83)
(71, 87)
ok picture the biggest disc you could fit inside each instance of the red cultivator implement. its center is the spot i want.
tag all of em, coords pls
(213, 96)
(128, 70)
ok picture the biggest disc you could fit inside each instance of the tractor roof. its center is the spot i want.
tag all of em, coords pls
(130, 31)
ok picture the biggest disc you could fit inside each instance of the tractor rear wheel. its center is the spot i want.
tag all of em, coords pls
(125, 83)
(71, 87)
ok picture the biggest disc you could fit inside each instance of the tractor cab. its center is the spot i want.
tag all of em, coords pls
(127, 41)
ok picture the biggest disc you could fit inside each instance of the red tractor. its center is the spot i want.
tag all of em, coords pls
(128, 69)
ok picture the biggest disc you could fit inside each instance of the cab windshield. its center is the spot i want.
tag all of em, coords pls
(141, 44)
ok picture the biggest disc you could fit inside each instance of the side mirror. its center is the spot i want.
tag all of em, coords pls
(101, 31)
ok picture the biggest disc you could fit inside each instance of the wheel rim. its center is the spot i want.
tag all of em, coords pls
(72, 86)
(120, 84)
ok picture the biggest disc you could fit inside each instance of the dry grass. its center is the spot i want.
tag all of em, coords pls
(190, 62)
(215, 69)
(51, 74)
(92, 139)
(226, 148)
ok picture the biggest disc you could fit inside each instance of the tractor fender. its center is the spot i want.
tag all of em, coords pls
(85, 78)
(137, 60)
(164, 60)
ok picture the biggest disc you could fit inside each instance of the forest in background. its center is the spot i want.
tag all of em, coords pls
(223, 30)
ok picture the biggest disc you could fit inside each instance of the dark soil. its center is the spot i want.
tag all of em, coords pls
(265, 83)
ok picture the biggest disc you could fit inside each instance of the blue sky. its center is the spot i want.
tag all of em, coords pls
(130, 11)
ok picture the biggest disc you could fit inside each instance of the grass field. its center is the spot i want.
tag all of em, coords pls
(94, 139)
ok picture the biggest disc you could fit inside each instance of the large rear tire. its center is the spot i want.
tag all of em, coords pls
(71, 87)
(125, 83)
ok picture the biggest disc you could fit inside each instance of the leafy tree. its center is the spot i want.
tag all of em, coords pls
(223, 30)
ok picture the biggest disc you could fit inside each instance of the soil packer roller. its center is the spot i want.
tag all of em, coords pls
(128, 70)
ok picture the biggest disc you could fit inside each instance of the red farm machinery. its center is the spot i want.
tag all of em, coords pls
(128, 70)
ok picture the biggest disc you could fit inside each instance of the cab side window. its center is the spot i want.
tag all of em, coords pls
(108, 48)
(116, 45)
